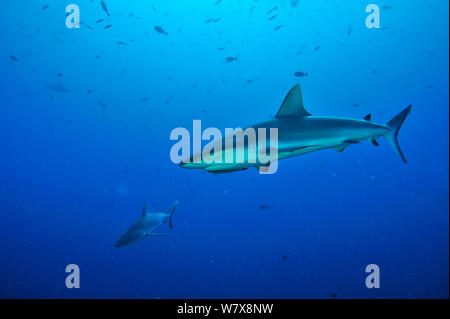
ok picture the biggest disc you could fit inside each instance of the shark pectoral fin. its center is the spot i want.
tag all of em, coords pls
(293, 104)
(374, 142)
(341, 148)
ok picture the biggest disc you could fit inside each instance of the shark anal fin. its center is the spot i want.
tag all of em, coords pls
(293, 104)
(374, 142)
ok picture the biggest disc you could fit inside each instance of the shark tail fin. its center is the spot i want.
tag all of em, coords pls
(395, 124)
(170, 211)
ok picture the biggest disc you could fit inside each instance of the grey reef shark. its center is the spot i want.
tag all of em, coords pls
(146, 225)
(300, 133)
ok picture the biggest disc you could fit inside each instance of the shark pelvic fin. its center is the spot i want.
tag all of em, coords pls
(293, 104)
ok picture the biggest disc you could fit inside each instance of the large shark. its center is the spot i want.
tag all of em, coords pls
(146, 225)
(300, 133)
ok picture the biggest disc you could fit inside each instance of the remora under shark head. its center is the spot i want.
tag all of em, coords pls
(300, 133)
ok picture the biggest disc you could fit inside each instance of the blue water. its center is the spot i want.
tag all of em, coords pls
(77, 166)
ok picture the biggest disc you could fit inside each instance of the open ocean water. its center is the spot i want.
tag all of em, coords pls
(86, 116)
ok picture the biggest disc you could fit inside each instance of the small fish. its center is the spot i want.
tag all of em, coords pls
(249, 81)
(386, 7)
(160, 30)
(272, 17)
(317, 48)
(59, 75)
(121, 43)
(217, 2)
(294, 3)
(154, 9)
(284, 258)
(104, 7)
(107, 26)
(217, 20)
(87, 25)
(264, 207)
(349, 31)
(300, 74)
(45, 7)
(144, 99)
(103, 105)
(89, 91)
(374, 71)
(272, 10)
(12, 57)
(208, 21)
(231, 59)
(278, 27)
(99, 20)
(221, 49)
(58, 87)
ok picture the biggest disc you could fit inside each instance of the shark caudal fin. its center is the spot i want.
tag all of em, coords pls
(395, 123)
(170, 211)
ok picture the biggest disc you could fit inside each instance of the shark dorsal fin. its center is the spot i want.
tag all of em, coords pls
(293, 104)
(144, 210)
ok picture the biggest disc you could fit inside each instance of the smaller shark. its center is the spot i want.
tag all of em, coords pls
(146, 225)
